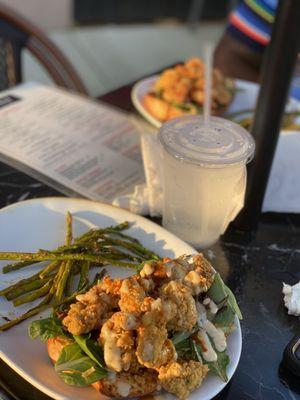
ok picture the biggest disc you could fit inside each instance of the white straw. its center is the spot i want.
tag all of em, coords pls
(208, 83)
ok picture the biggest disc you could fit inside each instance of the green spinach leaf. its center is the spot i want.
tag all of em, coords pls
(219, 367)
(90, 348)
(219, 291)
(182, 336)
(233, 303)
(76, 368)
(46, 328)
(224, 317)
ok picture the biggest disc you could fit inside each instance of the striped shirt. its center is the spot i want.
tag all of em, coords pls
(251, 22)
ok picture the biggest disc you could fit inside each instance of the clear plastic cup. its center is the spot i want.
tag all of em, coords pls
(204, 176)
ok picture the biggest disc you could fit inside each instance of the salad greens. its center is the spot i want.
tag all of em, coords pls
(218, 292)
(46, 328)
(76, 368)
(90, 348)
(188, 347)
(81, 362)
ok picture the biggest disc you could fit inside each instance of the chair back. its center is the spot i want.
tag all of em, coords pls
(17, 33)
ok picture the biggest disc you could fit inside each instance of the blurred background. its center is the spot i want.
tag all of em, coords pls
(113, 42)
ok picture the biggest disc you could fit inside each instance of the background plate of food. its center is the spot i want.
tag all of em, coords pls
(179, 91)
(207, 350)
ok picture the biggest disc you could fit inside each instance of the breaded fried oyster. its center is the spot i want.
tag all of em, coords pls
(182, 378)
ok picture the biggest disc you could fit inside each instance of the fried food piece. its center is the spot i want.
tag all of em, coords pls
(154, 349)
(186, 109)
(132, 294)
(198, 96)
(195, 68)
(186, 313)
(203, 278)
(182, 378)
(125, 384)
(157, 312)
(158, 108)
(155, 270)
(174, 85)
(110, 286)
(55, 346)
(87, 313)
(162, 110)
(118, 342)
(194, 271)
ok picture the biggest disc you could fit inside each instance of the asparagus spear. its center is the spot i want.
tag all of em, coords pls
(48, 269)
(28, 314)
(18, 284)
(28, 297)
(136, 248)
(50, 256)
(20, 291)
(62, 282)
(69, 236)
(84, 273)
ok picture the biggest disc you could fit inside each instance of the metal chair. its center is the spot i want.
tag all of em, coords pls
(17, 33)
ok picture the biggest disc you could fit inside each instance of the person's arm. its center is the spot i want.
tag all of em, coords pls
(237, 60)
(240, 51)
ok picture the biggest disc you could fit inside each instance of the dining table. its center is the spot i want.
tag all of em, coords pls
(253, 264)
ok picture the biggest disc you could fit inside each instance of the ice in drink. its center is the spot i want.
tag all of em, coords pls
(204, 176)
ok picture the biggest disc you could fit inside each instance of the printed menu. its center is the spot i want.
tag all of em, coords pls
(86, 147)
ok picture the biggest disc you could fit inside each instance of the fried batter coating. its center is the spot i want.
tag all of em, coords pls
(87, 313)
(118, 341)
(132, 294)
(127, 384)
(157, 312)
(173, 85)
(111, 286)
(194, 271)
(154, 349)
(155, 269)
(203, 278)
(186, 313)
(182, 378)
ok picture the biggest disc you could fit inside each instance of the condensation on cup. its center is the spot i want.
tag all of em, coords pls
(204, 176)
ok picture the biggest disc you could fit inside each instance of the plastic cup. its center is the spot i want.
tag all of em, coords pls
(204, 176)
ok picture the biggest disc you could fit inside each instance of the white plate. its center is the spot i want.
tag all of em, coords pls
(137, 95)
(40, 223)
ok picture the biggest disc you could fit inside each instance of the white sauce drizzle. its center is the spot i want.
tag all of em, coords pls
(147, 270)
(112, 353)
(112, 376)
(215, 334)
(213, 308)
(209, 355)
(124, 287)
(147, 352)
(123, 388)
(130, 321)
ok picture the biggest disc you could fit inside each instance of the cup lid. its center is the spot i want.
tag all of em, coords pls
(222, 143)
